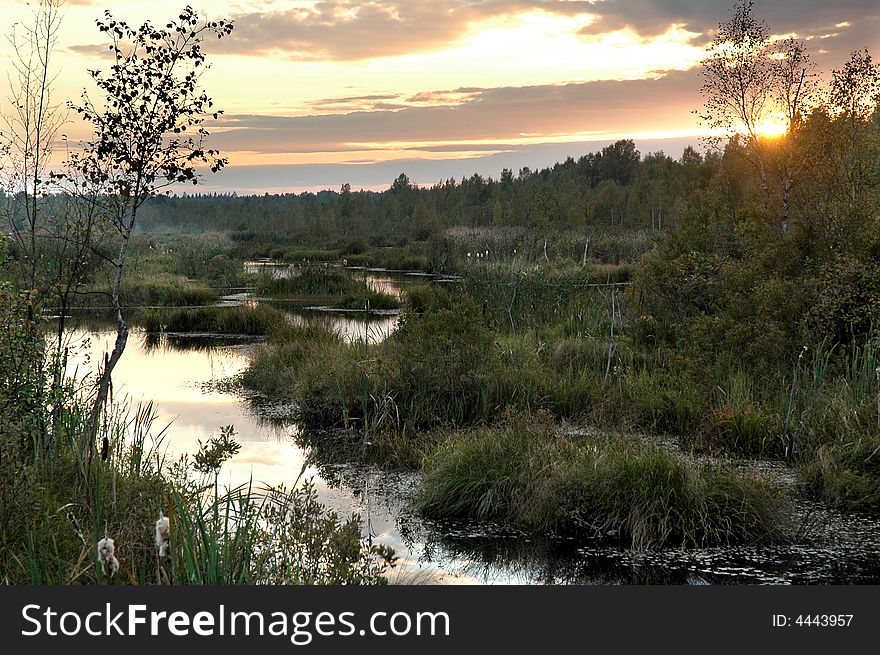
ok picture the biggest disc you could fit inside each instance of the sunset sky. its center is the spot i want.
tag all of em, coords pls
(321, 93)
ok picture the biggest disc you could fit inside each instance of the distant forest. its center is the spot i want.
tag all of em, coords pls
(616, 186)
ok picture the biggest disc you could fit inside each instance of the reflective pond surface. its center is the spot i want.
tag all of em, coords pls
(183, 378)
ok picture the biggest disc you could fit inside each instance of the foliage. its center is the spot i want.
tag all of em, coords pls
(305, 543)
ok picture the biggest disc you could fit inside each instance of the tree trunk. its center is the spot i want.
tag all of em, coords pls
(118, 347)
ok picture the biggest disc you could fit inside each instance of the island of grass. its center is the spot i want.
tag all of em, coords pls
(324, 285)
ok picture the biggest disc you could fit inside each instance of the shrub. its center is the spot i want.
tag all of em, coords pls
(441, 358)
(367, 299)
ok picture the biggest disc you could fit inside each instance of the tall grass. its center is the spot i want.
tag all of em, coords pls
(161, 290)
(61, 494)
(366, 299)
(838, 425)
(308, 280)
(250, 319)
(526, 246)
(327, 285)
(608, 488)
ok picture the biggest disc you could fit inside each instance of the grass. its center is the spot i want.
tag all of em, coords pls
(367, 299)
(845, 475)
(333, 286)
(163, 290)
(523, 246)
(307, 255)
(390, 258)
(527, 474)
(55, 508)
(457, 360)
(309, 280)
(275, 369)
(836, 426)
(250, 319)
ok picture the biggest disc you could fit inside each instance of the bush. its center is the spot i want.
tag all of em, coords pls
(847, 305)
(164, 291)
(367, 299)
(276, 367)
(442, 357)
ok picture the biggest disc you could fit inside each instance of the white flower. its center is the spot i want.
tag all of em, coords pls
(107, 557)
(163, 536)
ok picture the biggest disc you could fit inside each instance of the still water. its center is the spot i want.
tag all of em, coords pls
(183, 379)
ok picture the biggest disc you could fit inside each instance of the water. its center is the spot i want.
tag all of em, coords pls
(183, 378)
(372, 328)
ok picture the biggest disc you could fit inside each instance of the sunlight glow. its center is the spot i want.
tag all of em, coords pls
(773, 126)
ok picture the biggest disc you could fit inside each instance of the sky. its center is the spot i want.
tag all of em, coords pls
(317, 94)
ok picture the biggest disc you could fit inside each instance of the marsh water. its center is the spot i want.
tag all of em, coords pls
(183, 377)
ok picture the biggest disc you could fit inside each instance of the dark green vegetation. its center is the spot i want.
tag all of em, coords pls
(320, 284)
(176, 282)
(250, 319)
(614, 188)
(309, 281)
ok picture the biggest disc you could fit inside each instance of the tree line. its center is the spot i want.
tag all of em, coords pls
(614, 187)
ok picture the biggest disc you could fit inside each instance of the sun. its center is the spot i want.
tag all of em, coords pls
(773, 126)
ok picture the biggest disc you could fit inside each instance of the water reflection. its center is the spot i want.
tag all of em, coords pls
(180, 376)
(273, 269)
(369, 327)
(183, 377)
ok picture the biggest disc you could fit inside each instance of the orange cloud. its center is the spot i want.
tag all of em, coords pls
(351, 30)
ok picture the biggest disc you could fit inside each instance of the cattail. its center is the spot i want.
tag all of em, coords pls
(163, 536)
(76, 528)
(107, 557)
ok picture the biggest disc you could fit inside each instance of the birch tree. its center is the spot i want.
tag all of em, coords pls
(149, 134)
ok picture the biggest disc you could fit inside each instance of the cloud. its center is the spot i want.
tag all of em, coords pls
(393, 102)
(488, 116)
(352, 30)
(807, 18)
(652, 17)
(92, 50)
